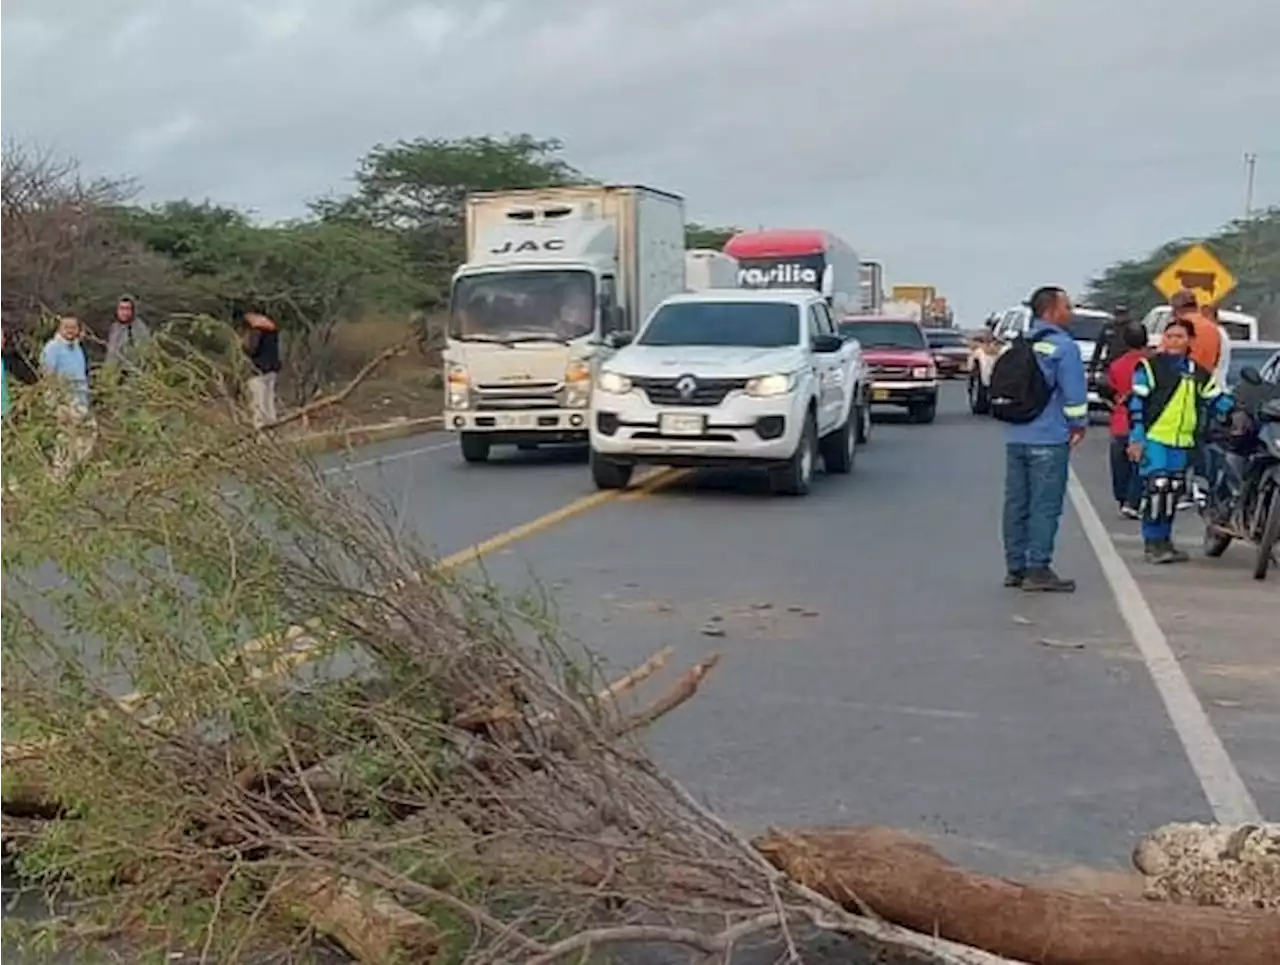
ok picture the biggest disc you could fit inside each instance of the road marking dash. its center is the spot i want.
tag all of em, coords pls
(1223, 787)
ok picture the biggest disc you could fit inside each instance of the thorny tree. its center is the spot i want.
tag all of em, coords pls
(255, 711)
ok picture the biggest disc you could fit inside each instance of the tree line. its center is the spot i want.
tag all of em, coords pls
(1250, 248)
(72, 244)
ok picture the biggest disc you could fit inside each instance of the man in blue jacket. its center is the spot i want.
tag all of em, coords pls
(1037, 453)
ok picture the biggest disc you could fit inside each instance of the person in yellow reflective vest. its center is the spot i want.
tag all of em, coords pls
(1171, 399)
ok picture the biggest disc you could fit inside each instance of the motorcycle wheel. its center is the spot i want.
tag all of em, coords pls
(1270, 535)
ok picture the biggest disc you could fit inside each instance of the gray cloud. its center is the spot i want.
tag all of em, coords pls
(985, 145)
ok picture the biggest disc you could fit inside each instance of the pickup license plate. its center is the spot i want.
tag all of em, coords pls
(516, 420)
(679, 424)
(879, 395)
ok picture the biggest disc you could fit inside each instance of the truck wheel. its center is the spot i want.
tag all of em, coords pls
(979, 402)
(475, 447)
(796, 477)
(840, 447)
(863, 422)
(608, 474)
(923, 412)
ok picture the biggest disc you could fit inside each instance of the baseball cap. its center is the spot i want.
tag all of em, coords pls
(1184, 299)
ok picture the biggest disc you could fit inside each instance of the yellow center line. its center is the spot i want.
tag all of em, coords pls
(302, 645)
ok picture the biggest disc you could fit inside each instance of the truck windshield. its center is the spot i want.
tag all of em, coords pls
(885, 334)
(746, 324)
(514, 306)
(1087, 328)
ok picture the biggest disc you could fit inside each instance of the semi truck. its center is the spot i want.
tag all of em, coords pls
(552, 274)
(707, 268)
(800, 258)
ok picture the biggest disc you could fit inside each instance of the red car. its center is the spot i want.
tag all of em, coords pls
(903, 371)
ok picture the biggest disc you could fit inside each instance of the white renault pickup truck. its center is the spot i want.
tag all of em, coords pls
(732, 378)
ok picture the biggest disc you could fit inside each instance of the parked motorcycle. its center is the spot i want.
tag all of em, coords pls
(1242, 500)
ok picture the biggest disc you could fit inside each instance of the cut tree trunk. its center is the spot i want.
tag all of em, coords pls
(368, 924)
(1231, 866)
(908, 883)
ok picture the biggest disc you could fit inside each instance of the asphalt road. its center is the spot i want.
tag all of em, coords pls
(874, 668)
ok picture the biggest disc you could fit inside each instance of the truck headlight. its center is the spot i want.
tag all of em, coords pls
(613, 383)
(768, 386)
(924, 372)
(577, 371)
(458, 383)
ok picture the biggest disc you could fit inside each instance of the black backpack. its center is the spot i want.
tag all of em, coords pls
(1019, 392)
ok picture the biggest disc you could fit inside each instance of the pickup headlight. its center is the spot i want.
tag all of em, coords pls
(768, 386)
(613, 383)
(924, 372)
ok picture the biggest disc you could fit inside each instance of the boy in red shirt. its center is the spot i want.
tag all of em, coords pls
(1126, 485)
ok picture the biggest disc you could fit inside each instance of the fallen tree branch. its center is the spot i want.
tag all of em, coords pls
(683, 689)
(335, 398)
(1230, 866)
(910, 884)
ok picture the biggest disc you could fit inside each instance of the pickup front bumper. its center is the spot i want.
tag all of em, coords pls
(909, 392)
(520, 425)
(740, 431)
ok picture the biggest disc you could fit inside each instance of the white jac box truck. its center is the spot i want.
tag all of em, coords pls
(551, 274)
(706, 268)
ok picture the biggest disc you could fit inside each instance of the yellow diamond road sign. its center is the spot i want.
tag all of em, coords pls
(1199, 270)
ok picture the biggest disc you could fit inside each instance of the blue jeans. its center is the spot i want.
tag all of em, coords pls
(1035, 486)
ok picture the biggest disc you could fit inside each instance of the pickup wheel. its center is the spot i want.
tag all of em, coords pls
(862, 421)
(475, 447)
(923, 412)
(796, 477)
(979, 401)
(608, 474)
(840, 447)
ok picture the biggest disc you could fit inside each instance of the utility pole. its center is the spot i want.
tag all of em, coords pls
(1250, 170)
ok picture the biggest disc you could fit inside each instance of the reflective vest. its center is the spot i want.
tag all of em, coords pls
(1173, 391)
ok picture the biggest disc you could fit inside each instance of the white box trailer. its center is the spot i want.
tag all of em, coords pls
(551, 274)
(707, 268)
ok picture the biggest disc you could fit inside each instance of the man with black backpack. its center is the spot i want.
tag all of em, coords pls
(1039, 389)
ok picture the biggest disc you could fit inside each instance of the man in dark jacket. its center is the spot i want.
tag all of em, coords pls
(262, 346)
(1110, 345)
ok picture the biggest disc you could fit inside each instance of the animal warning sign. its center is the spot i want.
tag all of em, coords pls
(1199, 270)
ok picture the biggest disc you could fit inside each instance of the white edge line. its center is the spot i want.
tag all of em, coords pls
(391, 457)
(1228, 796)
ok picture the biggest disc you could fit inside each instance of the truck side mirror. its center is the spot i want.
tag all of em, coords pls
(827, 343)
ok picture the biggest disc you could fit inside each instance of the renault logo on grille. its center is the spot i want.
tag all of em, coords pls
(686, 386)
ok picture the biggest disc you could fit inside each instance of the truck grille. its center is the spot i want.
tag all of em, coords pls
(891, 371)
(705, 392)
(523, 395)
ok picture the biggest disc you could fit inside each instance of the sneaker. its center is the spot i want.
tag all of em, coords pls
(1168, 553)
(1046, 581)
(1013, 579)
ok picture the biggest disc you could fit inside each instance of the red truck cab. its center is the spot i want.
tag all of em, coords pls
(900, 362)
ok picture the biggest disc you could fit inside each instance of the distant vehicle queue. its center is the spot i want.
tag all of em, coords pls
(557, 280)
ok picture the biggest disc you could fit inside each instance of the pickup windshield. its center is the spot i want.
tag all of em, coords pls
(744, 324)
(906, 335)
(514, 306)
(1087, 328)
(946, 338)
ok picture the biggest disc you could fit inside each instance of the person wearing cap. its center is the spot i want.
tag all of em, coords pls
(128, 333)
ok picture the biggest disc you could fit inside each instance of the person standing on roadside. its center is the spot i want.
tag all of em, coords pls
(1167, 406)
(1037, 451)
(65, 367)
(127, 335)
(14, 364)
(1111, 343)
(1126, 484)
(262, 347)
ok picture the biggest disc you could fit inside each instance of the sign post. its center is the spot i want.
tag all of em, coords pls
(1198, 270)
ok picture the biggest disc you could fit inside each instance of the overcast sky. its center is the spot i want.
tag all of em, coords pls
(983, 145)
